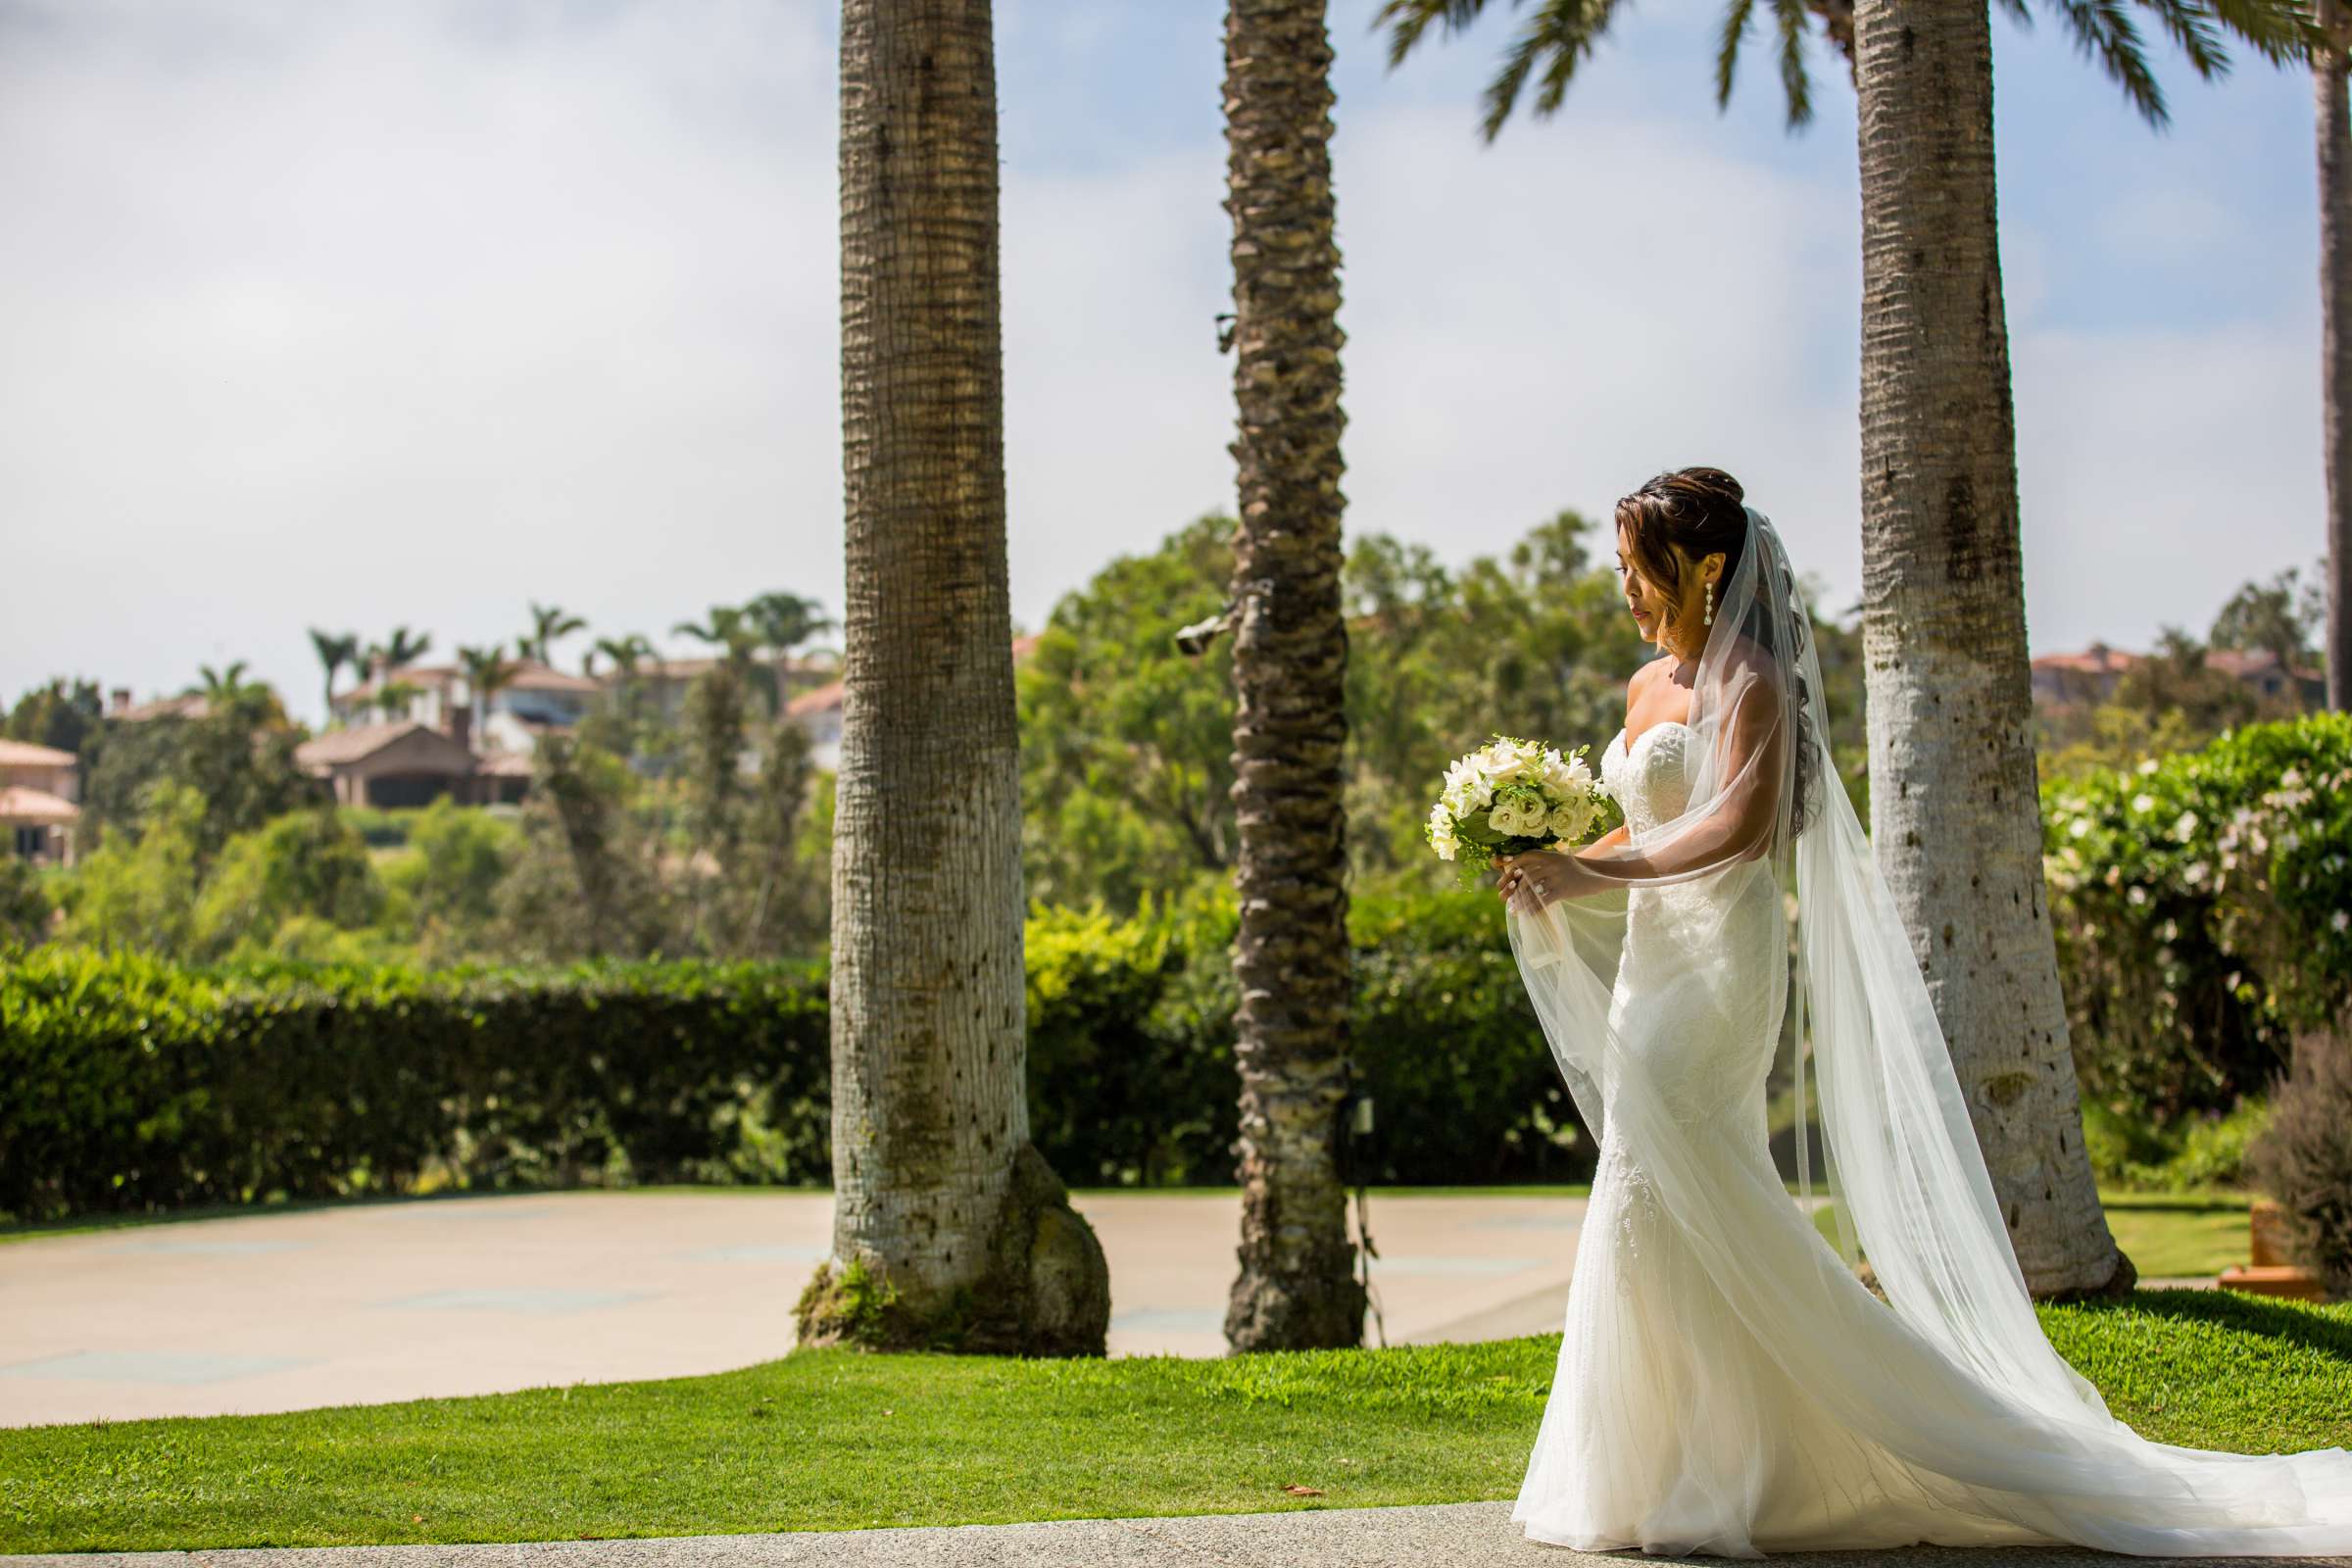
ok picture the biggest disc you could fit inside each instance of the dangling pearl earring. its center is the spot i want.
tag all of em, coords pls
(1710, 620)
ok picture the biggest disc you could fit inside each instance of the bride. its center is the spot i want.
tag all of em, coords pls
(1726, 1383)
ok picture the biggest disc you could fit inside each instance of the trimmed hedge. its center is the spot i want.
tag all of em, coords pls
(131, 1083)
(136, 1084)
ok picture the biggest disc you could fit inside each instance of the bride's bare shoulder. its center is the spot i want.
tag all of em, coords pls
(1645, 674)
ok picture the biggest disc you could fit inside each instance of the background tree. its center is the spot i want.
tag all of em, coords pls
(52, 715)
(334, 650)
(715, 794)
(488, 672)
(397, 651)
(1297, 1286)
(2277, 616)
(549, 624)
(1126, 742)
(949, 1228)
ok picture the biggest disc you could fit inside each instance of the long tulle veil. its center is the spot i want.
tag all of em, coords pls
(1952, 1371)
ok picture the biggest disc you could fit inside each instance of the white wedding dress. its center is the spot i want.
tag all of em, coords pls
(1727, 1385)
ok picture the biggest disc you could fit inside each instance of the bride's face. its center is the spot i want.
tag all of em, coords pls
(1663, 617)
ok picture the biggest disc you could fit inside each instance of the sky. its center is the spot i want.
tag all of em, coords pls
(412, 311)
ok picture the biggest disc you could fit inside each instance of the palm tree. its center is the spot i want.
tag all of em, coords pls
(2334, 126)
(396, 651)
(1944, 612)
(739, 631)
(394, 697)
(948, 1227)
(626, 652)
(487, 670)
(783, 622)
(548, 624)
(334, 651)
(1296, 1287)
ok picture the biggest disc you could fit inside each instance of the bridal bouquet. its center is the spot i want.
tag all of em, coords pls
(1511, 796)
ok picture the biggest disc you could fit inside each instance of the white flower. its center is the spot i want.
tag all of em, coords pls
(1440, 833)
(2147, 764)
(1570, 819)
(2082, 827)
(2186, 826)
(2136, 894)
(2339, 919)
(2144, 803)
(1509, 761)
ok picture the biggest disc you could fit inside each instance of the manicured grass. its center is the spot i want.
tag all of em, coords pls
(2170, 1236)
(835, 1439)
(2165, 1235)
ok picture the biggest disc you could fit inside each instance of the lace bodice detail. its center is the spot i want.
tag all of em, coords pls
(1650, 780)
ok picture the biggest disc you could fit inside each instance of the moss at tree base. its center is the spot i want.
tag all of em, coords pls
(1046, 1290)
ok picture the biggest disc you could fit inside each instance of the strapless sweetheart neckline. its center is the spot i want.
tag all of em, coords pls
(1627, 746)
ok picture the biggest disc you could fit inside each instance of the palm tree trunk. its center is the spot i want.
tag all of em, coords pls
(2334, 128)
(949, 1228)
(1954, 807)
(1296, 1286)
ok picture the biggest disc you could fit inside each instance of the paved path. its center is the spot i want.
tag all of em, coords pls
(375, 1303)
(1454, 1535)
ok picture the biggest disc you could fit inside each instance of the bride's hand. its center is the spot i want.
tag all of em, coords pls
(1544, 875)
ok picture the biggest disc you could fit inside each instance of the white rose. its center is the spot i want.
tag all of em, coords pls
(1570, 819)
(1506, 763)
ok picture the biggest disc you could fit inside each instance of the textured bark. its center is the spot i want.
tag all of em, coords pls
(2334, 128)
(1955, 813)
(930, 1111)
(1296, 1286)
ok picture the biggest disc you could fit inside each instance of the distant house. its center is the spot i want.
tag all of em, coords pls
(39, 788)
(2261, 670)
(661, 683)
(187, 705)
(536, 699)
(404, 762)
(2092, 676)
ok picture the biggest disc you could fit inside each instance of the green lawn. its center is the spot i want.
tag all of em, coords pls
(836, 1440)
(2165, 1235)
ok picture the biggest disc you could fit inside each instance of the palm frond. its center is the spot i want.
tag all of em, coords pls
(1727, 47)
(2282, 31)
(1408, 19)
(2102, 29)
(1564, 32)
(2192, 24)
(1794, 80)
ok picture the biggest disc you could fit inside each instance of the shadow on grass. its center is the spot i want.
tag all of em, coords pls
(2326, 1331)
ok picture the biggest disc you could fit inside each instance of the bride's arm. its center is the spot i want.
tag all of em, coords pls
(1746, 809)
(1739, 826)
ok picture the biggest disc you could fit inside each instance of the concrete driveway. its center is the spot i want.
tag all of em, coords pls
(383, 1301)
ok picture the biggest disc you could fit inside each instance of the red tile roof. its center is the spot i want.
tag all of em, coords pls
(22, 804)
(25, 754)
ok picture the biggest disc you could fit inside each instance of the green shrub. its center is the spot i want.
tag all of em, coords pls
(2200, 1151)
(150, 1085)
(2200, 906)
(137, 1084)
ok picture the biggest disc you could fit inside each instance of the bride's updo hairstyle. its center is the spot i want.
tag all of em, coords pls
(1702, 510)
